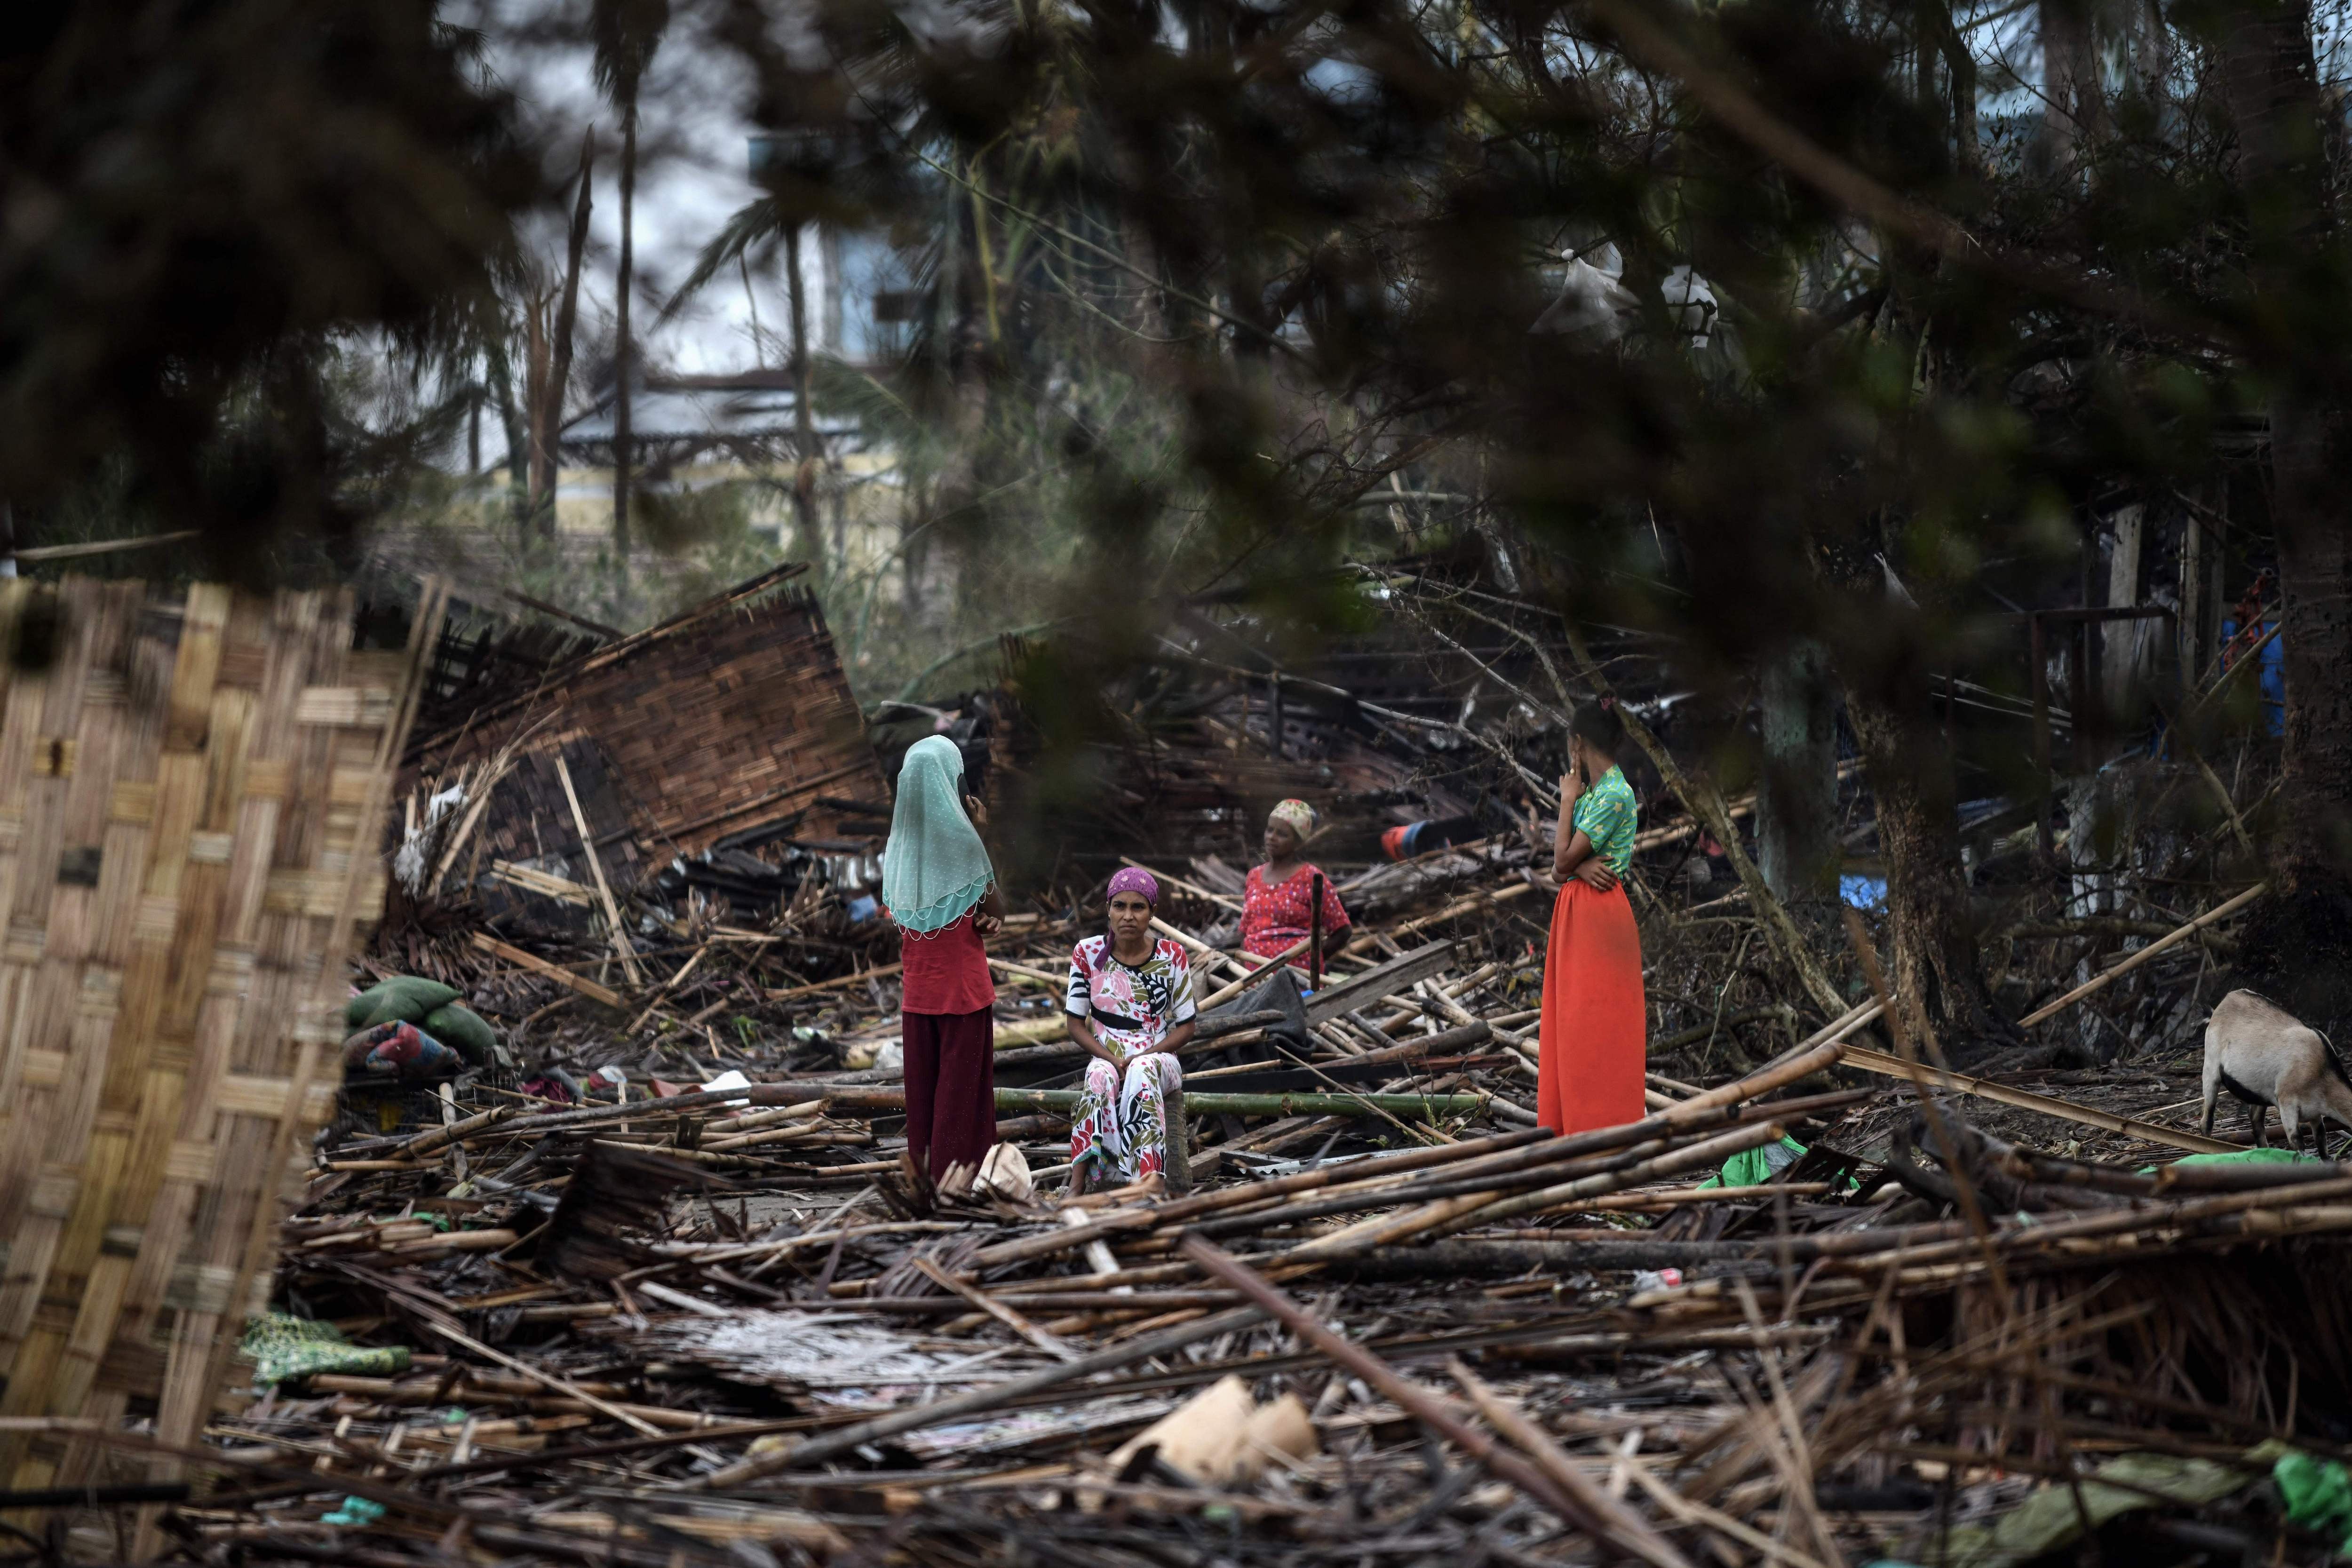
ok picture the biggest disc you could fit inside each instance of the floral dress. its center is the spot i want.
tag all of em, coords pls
(1276, 916)
(1121, 1123)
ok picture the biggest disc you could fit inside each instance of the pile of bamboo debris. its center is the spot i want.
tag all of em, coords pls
(1392, 1320)
(1825, 1305)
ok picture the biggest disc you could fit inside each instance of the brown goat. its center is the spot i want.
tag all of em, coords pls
(2261, 1054)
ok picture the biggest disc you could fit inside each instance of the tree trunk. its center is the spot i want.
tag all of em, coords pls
(2302, 942)
(1938, 979)
(2074, 109)
(512, 419)
(559, 370)
(1796, 798)
(622, 357)
(536, 397)
(808, 538)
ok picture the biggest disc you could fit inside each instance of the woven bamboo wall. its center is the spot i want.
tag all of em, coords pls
(181, 785)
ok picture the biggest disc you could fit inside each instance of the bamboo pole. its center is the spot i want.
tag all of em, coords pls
(1438, 1412)
(604, 889)
(1690, 1156)
(879, 972)
(1243, 983)
(1428, 1107)
(1193, 887)
(1628, 1529)
(2183, 933)
(2025, 1100)
(546, 971)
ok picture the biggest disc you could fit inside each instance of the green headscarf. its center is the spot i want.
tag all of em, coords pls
(934, 868)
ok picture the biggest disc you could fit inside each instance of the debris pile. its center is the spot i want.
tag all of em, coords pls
(667, 1290)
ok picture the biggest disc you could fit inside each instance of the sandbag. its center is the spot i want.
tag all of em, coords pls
(459, 1025)
(403, 999)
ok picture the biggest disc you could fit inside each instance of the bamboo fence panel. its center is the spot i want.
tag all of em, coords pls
(192, 798)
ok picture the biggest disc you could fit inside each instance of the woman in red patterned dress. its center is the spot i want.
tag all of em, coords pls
(1278, 900)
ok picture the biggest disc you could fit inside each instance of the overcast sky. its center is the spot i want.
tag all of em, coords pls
(690, 180)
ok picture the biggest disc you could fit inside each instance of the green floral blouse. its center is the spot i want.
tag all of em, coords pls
(1604, 814)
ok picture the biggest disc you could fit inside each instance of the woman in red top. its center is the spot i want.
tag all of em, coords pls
(941, 889)
(1278, 900)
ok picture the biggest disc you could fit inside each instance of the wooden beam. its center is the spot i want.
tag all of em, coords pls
(544, 969)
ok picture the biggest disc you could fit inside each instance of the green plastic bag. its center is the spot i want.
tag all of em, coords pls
(2318, 1494)
(403, 999)
(460, 1026)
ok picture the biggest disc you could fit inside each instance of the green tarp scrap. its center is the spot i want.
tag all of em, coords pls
(1754, 1167)
(2318, 1494)
(2241, 1157)
(2052, 1517)
(283, 1347)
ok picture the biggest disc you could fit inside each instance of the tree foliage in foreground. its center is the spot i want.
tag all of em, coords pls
(195, 201)
(1317, 238)
(1197, 279)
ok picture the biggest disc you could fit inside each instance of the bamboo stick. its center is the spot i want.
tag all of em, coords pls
(1193, 887)
(1427, 1405)
(2025, 1100)
(546, 971)
(1625, 1527)
(879, 972)
(2180, 935)
(568, 1390)
(1713, 1150)
(604, 889)
(1220, 998)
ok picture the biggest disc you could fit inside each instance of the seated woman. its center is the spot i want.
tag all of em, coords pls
(1278, 900)
(1131, 1009)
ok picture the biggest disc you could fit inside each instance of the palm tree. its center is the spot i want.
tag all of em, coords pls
(625, 33)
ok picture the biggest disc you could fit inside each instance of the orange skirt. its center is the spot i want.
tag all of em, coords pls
(1595, 1030)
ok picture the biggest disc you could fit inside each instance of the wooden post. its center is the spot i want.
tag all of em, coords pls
(2040, 656)
(1314, 935)
(2119, 640)
(2192, 599)
(1273, 718)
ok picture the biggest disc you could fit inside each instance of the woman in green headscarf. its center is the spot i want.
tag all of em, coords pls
(941, 889)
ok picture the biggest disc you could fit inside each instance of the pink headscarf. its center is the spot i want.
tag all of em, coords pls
(1134, 879)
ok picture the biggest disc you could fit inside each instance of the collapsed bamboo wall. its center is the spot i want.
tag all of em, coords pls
(181, 788)
(734, 715)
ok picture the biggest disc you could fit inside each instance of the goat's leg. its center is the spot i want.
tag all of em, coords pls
(2258, 1125)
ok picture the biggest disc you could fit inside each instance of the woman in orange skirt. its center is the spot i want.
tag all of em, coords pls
(1595, 1028)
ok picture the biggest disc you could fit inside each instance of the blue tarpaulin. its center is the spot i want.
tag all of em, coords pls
(2272, 675)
